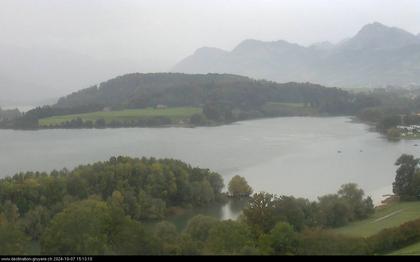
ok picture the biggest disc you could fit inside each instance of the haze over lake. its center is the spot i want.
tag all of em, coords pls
(300, 156)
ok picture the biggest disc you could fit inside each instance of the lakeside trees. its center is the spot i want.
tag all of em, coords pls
(239, 187)
(98, 208)
(407, 179)
(113, 207)
(266, 210)
(147, 187)
(118, 207)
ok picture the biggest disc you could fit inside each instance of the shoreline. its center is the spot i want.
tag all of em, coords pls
(185, 125)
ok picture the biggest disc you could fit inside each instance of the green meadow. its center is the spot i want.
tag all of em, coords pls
(174, 113)
(391, 215)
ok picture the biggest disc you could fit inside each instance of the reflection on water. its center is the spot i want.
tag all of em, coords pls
(230, 210)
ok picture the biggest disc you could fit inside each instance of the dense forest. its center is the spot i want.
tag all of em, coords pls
(172, 89)
(122, 189)
(223, 98)
(120, 206)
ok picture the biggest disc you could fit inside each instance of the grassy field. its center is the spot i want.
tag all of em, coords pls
(392, 215)
(410, 250)
(174, 113)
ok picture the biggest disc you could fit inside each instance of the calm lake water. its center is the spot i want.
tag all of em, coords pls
(300, 156)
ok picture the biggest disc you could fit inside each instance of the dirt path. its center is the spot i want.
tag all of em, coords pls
(387, 216)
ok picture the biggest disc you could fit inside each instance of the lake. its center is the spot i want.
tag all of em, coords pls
(300, 156)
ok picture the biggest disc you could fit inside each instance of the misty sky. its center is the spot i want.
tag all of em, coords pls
(158, 33)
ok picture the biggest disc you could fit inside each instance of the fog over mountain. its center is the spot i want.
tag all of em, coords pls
(32, 76)
(50, 48)
(377, 55)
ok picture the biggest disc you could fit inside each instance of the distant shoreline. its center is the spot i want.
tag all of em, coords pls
(173, 125)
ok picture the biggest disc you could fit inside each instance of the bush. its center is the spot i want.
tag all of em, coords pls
(391, 239)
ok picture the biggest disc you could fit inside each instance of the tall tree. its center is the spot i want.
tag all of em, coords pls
(259, 214)
(238, 186)
(404, 185)
(354, 197)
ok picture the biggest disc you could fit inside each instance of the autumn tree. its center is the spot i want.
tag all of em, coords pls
(238, 186)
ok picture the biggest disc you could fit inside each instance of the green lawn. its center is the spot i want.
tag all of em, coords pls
(391, 215)
(410, 250)
(175, 113)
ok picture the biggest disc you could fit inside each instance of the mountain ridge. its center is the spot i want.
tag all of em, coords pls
(377, 55)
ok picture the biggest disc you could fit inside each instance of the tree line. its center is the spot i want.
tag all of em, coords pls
(106, 208)
(120, 206)
(224, 98)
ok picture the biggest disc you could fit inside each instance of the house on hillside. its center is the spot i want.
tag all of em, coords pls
(409, 130)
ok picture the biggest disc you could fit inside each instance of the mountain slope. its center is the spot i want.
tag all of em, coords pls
(377, 55)
(378, 36)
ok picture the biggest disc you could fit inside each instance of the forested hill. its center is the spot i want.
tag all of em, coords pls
(222, 98)
(139, 90)
(173, 89)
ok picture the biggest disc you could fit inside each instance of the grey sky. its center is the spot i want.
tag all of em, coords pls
(158, 33)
